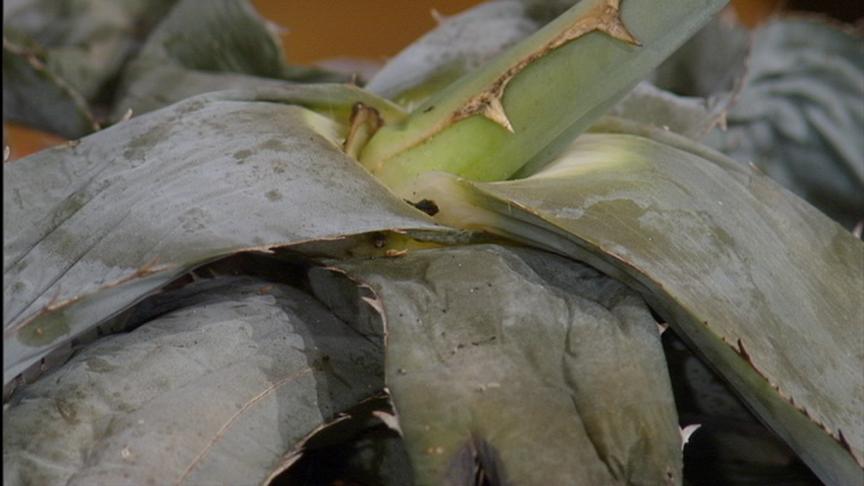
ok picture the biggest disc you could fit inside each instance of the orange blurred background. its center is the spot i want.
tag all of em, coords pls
(372, 29)
(378, 29)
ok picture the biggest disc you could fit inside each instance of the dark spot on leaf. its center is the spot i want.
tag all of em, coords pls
(427, 206)
(99, 365)
(483, 341)
(191, 106)
(44, 333)
(138, 147)
(274, 144)
(427, 110)
(241, 155)
(66, 410)
(274, 195)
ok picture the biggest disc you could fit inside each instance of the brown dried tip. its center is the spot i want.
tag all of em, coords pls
(743, 352)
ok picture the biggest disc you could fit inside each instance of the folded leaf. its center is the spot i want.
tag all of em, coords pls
(94, 226)
(231, 374)
(530, 367)
(762, 284)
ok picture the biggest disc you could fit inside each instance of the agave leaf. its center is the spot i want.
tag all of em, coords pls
(762, 284)
(76, 51)
(207, 46)
(691, 116)
(796, 116)
(711, 64)
(697, 84)
(485, 125)
(126, 210)
(25, 77)
(231, 374)
(800, 117)
(70, 49)
(504, 360)
(459, 45)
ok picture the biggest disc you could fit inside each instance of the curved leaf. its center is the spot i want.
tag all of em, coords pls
(690, 116)
(796, 114)
(71, 49)
(505, 360)
(26, 78)
(130, 208)
(207, 46)
(231, 374)
(765, 286)
(800, 117)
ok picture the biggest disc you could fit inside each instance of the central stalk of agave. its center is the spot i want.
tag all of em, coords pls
(521, 109)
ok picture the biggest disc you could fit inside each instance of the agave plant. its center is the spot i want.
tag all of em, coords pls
(459, 274)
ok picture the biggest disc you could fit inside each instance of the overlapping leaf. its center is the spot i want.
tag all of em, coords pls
(92, 227)
(207, 46)
(765, 286)
(59, 56)
(800, 117)
(494, 352)
(63, 59)
(227, 376)
(460, 44)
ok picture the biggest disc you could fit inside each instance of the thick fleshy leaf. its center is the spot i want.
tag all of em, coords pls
(69, 49)
(533, 368)
(691, 116)
(762, 284)
(485, 125)
(796, 114)
(231, 374)
(711, 64)
(459, 45)
(126, 210)
(700, 82)
(75, 52)
(463, 42)
(800, 117)
(207, 46)
(26, 78)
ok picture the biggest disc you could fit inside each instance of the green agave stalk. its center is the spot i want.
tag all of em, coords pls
(486, 126)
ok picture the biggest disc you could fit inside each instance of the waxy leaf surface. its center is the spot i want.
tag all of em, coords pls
(93, 226)
(765, 286)
(216, 383)
(532, 367)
